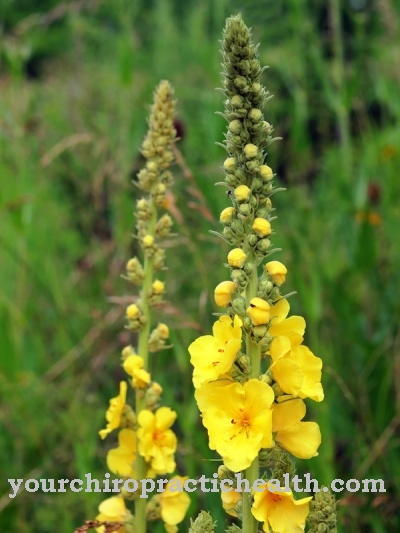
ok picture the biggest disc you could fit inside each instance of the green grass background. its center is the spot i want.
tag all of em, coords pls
(76, 81)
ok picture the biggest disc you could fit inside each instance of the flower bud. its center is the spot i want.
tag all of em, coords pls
(152, 166)
(245, 210)
(266, 172)
(225, 473)
(153, 394)
(236, 258)
(267, 127)
(127, 351)
(263, 245)
(238, 305)
(230, 164)
(135, 270)
(253, 165)
(244, 363)
(163, 226)
(148, 241)
(261, 227)
(158, 287)
(227, 214)
(241, 84)
(223, 293)
(237, 101)
(255, 115)
(260, 331)
(276, 271)
(132, 312)
(239, 276)
(242, 193)
(258, 311)
(235, 126)
(163, 331)
(250, 151)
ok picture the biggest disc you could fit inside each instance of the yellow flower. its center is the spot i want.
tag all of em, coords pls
(276, 271)
(213, 355)
(266, 172)
(133, 365)
(242, 193)
(113, 510)
(115, 411)
(301, 439)
(223, 293)
(163, 330)
(148, 241)
(292, 327)
(296, 369)
(238, 419)
(229, 501)
(157, 442)
(230, 164)
(261, 227)
(174, 503)
(250, 151)
(258, 311)
(158, 287)
(236, 258)
(227, 214)
(132, 311)
(120, 460)
(279, 510)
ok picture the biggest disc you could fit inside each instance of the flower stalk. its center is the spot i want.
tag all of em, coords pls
(253, 374)
(146, 442)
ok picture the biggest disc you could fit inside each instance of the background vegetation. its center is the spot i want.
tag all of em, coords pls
(76, 80)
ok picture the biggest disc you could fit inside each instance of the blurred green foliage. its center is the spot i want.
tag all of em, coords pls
(76, 83)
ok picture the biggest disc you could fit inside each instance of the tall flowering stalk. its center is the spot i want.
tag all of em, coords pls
(146, 442)
(254, 372)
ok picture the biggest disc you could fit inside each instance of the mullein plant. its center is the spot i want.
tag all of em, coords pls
(253, 373)
(146, 442)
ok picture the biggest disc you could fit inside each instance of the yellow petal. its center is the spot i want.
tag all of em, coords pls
(165, 417)
(279, 311)
(174, 504)
(280, 346)
(287, 414)
(288, 375)
(291, 327)
(302, 440)
(311, 368)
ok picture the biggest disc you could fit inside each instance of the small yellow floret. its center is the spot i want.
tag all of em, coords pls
(261, 227)
(236, 258)
(230, 164)
(158, 287)
(276, 271)
(163, 331)
(132, 312)
(250, 151)
(258, 311)
(223, 293)
(148, 241)
(242, 193)
(266, 172)
(227, 214)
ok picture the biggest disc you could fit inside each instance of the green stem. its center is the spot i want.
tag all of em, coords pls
(250, 524)
(143, 351)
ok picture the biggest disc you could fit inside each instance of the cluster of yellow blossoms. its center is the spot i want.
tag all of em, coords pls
(146, 442)
(253, 373)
